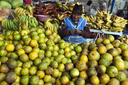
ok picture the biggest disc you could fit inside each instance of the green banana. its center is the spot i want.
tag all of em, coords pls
(34, 25)
(35, 21)
(15, 22)
(56, 20)
(16, 28)
(20, 18)
(30, 23)
(8, 25)
(26, 19)
(5, 24)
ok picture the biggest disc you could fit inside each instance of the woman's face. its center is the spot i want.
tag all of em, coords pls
(76, 16)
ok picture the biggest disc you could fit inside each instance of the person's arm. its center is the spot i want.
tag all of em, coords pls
(86, 32)
(63, 30)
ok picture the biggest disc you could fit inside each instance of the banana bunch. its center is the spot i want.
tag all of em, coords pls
(10, 25)
(60, 17)
(51, 24)
(124, 38)
(28, 21)
(71, 6)
(28, 10)
(59, 4)
(106, 21)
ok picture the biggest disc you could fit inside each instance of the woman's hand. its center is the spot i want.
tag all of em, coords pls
(78, 32)
(72, 31)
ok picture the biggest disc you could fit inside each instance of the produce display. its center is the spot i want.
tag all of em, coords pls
(41, 55)
(106, 21)
(32, 53)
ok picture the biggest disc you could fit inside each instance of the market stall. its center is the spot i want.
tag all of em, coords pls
(32, 52)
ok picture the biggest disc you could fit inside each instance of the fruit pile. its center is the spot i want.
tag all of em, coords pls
(58, 11)
(106, 21)
(38, 54)
(25, 10)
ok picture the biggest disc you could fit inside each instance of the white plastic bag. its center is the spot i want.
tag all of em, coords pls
(93, 12)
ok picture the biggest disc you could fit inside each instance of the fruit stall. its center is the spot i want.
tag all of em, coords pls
(32, 52)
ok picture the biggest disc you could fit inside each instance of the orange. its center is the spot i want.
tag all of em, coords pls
(64, 79)
(37, 61)
(1, 42)
(16, 37)
(109, 46)
(33, 43)
(83, 75)
(26, 65)
(14, 55)
(102, 49)
(116, 43)
(3, 52)
(48, 53)
(94, 55)
(41, 40)
(106, 41)
(58, 59)
(55, 53)
(39, 31)
(40, 74)
(36, 49)
(34, 80)
(36, 37)
(20, 52)
(78, 49)
(67, 49)
(113, 81)
(124, 82)
(4, 59)
(23, 32)
(33, 55)
(18, 46)
(47, 60)
(10, 47)
(94, 80)
(61, 67)
(119, 50)
(104, 78)
(24, 37)
(24, 71)
(41, 35)
(28, 49)
(48, 32)
(10, 37)
(99, 40)
(84, 58)
(55, 47)
(17, 71)
(55, 73)
(111, 38)
(43, 66)
(47, 78)
(33, 70)
(4, 68)
(33, 33)
(51, 37)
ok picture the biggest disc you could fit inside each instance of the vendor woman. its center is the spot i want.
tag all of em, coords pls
(75, 29)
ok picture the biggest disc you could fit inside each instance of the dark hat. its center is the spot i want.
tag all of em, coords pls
(77, 9)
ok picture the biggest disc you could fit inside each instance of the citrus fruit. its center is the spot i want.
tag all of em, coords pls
(47, 78)
(34, 80)
(80, 81)
(94, 80)
(24, 57)
(24, 79)
(32, 70)
(33, 43)
(10, 47)
(16, 37)
(24, 71)
(104, 78)
(33, 55)
(64, 80)
(74, 72)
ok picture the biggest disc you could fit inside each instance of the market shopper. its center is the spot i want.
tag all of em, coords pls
(75, 29)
